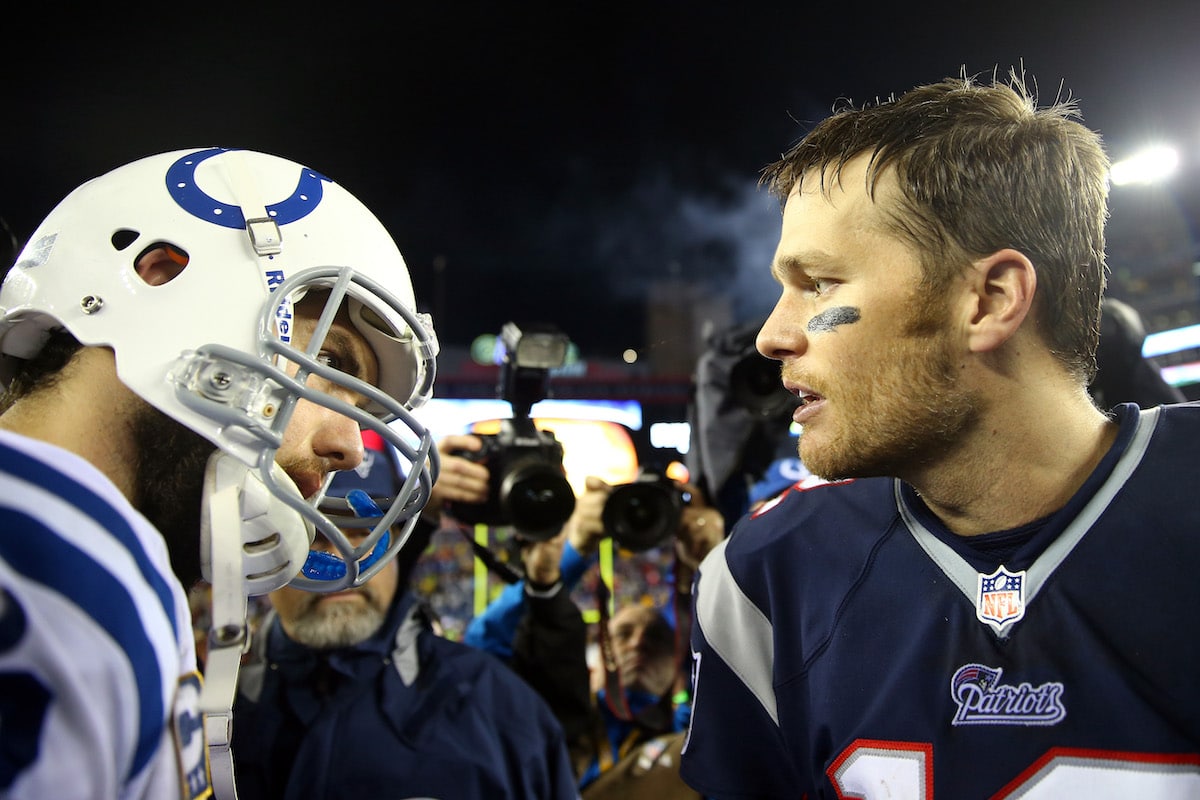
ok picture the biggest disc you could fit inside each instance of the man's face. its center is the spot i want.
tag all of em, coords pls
(171, 464)
(644, 647)
(874, 359)
(318, 440)
(337, 619)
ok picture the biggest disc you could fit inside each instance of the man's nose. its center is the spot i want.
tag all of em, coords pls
(781, 335)
(338, 440)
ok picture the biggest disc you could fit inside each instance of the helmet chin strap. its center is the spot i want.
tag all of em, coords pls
(251, 543)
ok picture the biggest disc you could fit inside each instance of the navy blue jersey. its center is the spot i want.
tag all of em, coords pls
(846, 645)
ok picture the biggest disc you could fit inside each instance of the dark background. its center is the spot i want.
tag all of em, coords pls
(548, 162)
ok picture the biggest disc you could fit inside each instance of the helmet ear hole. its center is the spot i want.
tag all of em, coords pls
(123, 238)
(160, 263)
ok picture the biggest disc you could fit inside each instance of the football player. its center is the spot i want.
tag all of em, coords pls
(976, 602)
(190, 345)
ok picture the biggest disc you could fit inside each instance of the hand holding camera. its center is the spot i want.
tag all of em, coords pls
(644, 514)
(527, 487)
(461, 480)
(585, 529)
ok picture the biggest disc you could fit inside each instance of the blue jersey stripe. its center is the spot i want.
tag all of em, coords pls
(41, 555)
(30, 469)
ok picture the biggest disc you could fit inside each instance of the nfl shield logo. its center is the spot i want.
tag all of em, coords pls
(1000, 600)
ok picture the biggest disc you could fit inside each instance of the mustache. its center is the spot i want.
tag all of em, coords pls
(313, 599)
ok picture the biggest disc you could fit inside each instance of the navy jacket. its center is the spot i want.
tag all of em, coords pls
(405, 714)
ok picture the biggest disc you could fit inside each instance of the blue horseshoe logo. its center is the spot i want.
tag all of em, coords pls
(181, 184)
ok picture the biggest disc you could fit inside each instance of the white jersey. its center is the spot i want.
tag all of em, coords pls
(98, 681)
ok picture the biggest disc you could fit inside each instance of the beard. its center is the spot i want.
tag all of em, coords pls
(169, 485)
(901, 411)
(325, 626)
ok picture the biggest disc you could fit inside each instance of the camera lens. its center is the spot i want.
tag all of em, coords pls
(537, 499)
(640, 516)
(754, 384)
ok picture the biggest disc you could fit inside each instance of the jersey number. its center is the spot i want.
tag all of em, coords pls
(871, 769)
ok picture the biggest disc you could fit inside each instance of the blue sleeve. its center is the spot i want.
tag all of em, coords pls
(493, 630)
(574, 566)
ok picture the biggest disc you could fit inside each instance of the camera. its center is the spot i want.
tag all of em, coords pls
(527, 487)
(755, 385)
(645, 513)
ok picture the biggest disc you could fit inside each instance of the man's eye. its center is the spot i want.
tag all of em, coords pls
(819, 286)
(330, 359)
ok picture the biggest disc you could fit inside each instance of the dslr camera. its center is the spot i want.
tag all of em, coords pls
(527, 487)
(755, 385)
(645, 513)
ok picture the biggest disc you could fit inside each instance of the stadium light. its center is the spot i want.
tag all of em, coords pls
(1152, 165)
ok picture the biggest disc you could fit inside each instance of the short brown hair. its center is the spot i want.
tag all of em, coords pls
(980, 168)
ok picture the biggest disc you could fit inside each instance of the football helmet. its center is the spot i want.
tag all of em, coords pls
(211, 347)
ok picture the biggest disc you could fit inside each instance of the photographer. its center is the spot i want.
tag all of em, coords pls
(625, 734)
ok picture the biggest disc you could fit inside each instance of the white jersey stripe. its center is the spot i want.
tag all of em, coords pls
(41, 556)
(62, 488)
(736, 630)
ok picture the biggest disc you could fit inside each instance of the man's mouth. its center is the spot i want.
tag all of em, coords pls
(803, 394)
(309, 484)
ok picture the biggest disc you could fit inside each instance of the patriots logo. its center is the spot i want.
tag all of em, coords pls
(983, 700)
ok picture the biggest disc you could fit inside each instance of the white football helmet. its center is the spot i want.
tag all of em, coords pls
(212, 348)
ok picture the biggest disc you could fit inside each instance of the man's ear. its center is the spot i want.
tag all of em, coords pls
(160, 264)
(1002, 286)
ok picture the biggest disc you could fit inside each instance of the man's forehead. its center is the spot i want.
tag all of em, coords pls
(634, 616)
(844, 207)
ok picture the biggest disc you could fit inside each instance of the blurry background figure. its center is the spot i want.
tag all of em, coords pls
(354, 695)
(740, 417)
(780, 475)
(624, 715)
(1123, 375)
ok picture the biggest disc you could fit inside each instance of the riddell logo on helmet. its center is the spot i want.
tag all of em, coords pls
(283, 315)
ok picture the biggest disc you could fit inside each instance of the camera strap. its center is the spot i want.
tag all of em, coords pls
(682, 600)
(503, 571)
(614, 690)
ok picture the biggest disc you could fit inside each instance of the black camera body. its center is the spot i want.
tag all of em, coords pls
(644, 513)
(755, 385)
(527, 487)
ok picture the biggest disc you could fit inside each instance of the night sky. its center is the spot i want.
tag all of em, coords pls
(546, 161)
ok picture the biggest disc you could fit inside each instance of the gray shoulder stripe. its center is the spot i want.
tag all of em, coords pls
(735, 629)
